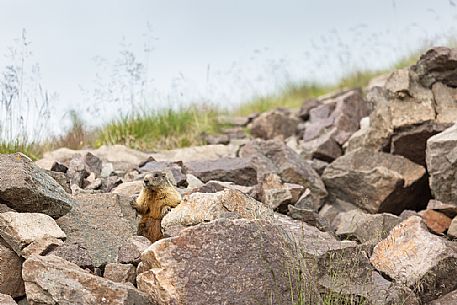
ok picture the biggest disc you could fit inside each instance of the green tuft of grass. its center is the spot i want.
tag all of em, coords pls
(164, 129)
(33, 151)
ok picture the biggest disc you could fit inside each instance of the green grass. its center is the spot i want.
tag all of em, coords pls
(163, 129)
(32, 150)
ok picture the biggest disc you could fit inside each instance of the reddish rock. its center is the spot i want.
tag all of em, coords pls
(435, 221)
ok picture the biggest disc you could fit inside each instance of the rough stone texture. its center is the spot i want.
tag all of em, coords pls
(98, 226)
(363, 227)
(130, 251)
(238, 170)
(274, 124)
(411, 142)
(41, 246)
(435, 221)
(6, 300)
(441, 165)
(52, 280)
(27, 188)
(194, 153)
(452, 231)
(203, 207)
(333, 208)
(323, 148)
(377, 182)
(307, 105)
(275, 157)
(438, 64)
(446, 208)
(448, 299)
(78, 172)
(11, 282)
(209, 264)
(318, 165)
(128, 188)
(75, 253)
(173, 169)
(273, 193)
(446, 103)
(120, 273)
(414, 257)
(21, 229)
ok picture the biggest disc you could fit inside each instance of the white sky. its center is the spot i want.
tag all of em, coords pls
(217, 51)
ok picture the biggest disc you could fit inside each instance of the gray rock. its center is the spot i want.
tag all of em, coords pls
(307, 105)
(377, 182)
(446, 208)
(52, 280)
(21, 229)
(238, 170)
(274, 124)
(441, 161)
(173, 169)
(414, 257)
(41, 246)
(448, 299)
(452, 230)
(11, 282)
(6, 300)
(120, 273)
(28, 188)
(130, 251)
(99, 224)
(204, 152)
(128, 188)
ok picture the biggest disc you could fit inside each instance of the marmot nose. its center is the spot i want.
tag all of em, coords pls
(146, 180)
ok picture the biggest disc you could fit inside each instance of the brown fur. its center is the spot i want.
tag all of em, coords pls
(153, 204)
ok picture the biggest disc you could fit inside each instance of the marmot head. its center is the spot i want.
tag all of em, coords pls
(155, 180)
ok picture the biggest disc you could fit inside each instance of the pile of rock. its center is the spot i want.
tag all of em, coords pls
(319, 206)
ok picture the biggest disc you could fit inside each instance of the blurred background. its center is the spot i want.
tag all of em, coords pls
(156, 74)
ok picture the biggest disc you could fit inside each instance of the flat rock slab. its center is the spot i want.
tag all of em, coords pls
(441, 165)
(414, 257)
(377, 182)
(98, 226)
(25, 187)
(52, 280)
(211, 264)
(21, 229)
(238, 170)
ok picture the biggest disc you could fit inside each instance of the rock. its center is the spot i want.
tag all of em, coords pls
(446, 103)
(308, 216)
(130, 251)
(58, 167)
(273, 193)
(275, 157)
(78, 172)
(437, 65)
(205, 264)
(411, 141)
(193, 182)
(274, 124)
(238, 170)
(41, 246)
(52, 280)
(412, 256)
(11, 282)
(435, 221)
(21, 229)
(449, 210)
(452, 230)
(128, 188)
(194, 153)
(173, 170)
(61, 179)
(107, 170)
(333, 208)
(377, 182)
(307, 201)
(99, 224)
(120, 273)
(28, 188)
(332, 123)
(93, 163)
(6, 300)
(441, 160)
(95, 185)
(307, 105)
(363, 227)
(203, 207)
(448, 299)
(111, 183)
(76, 253)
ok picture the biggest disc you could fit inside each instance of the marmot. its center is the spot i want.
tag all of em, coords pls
(155, 200)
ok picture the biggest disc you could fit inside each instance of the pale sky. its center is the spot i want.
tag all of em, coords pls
(216, 51)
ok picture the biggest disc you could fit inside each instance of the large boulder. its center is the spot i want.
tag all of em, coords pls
(377, 182)
(414, 257)
(11, 282)
(52, 280)
(205, 264)
(274, 124)
(276, 157)
(97, 227)
(203, 207)
(238, 170)
(27, 188)
(21, 229)
(441, 165)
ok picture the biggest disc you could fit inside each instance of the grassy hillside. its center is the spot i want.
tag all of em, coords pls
(167, 129)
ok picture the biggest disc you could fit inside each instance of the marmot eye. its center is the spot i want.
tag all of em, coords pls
(156, 175)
